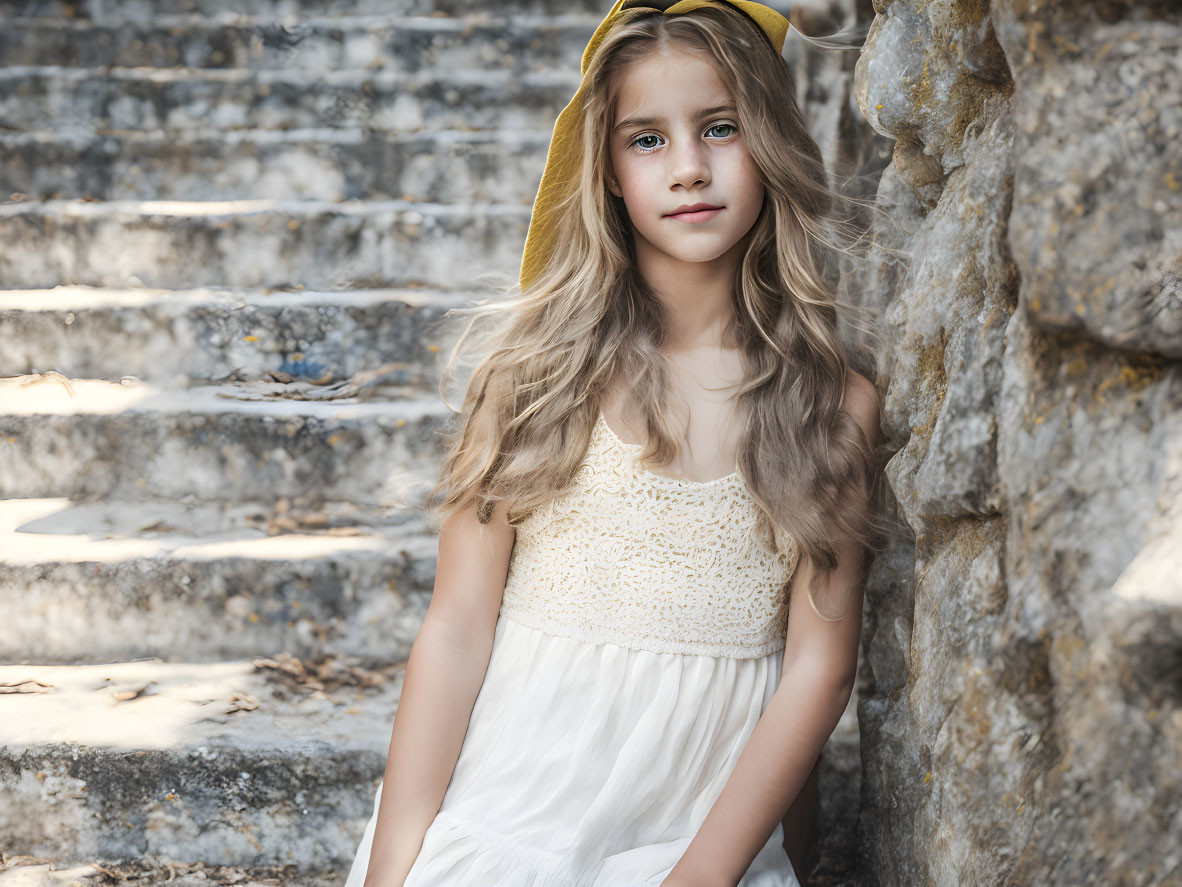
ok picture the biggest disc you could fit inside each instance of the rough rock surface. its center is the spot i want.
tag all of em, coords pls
(1019, 716)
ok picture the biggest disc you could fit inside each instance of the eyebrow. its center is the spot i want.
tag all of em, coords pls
(652, 121)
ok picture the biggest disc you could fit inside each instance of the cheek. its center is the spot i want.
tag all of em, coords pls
(635, 191)
(622, 169)
(752, 185)
(750, 174)
(626, 176)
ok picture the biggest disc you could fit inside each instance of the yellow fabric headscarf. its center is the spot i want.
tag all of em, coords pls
(564, 156)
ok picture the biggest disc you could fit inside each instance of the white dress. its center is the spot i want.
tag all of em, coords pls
(640, 638)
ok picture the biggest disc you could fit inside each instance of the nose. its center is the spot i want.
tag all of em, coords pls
(689, 164)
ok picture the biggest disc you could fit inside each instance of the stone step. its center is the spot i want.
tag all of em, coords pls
(211, 99)
(259, 243)
(230, 442)
(166, 336)
(140, 10)
(407, 44)
(31, 871)
(448, 166)
(193, 581)
(239, 763)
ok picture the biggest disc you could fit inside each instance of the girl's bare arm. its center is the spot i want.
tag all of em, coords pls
(444, 674)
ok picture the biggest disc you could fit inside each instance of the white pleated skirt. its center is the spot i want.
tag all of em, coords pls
(590, 765)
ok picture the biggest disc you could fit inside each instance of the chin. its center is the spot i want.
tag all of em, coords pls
(699, 256)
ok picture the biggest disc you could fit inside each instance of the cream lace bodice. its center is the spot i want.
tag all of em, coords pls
(631, 557)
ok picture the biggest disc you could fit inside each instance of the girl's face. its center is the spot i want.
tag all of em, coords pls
(675, 142)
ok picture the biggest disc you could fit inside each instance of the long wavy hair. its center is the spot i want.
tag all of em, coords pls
(589, 321)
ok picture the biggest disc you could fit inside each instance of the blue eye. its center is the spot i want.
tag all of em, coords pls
(641, 150)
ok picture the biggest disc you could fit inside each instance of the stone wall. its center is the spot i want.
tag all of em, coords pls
(1019, 696)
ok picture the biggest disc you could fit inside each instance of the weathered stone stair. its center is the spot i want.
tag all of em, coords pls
(228, 242)
(228, 245)
(454, 166)
(214, 761)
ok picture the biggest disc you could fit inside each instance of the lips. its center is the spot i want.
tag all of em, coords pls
(694, 207)
(696, 216)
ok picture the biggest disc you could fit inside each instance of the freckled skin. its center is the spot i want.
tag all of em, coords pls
(683, 160)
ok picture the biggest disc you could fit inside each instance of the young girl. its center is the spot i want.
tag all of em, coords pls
(648, 600)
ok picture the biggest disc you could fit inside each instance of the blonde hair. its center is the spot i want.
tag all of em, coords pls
(589, 320)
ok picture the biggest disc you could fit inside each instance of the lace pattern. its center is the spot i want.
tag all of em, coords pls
(651, 562)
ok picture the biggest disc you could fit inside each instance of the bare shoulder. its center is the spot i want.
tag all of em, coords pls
(861, 400)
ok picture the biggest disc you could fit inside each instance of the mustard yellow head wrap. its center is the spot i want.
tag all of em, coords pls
(564, 156)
